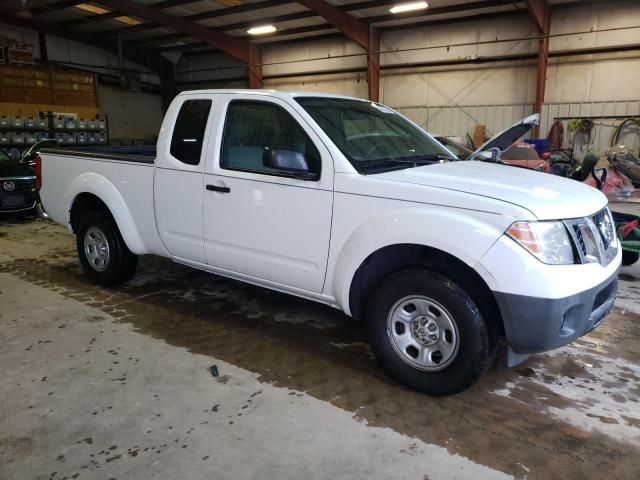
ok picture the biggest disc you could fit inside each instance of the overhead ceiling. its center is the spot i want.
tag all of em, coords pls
(293, 21)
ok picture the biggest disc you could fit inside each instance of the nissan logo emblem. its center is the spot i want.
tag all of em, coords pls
(9, 186)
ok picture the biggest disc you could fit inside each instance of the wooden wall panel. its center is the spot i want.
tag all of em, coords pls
(34, 85)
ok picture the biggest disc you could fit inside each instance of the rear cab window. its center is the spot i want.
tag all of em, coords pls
(189, 131)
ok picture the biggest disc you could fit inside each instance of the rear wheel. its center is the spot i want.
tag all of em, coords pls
(102, 251)
(427, 333)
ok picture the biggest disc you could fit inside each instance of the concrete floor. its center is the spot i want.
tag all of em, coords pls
(115, 384)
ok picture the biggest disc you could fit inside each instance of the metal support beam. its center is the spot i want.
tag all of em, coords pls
(540, 14)
(364, 5)
(538, 11)
(255, 66)
(136, 54)
(373, 65)
(101, 17)
(236, 47)
(358, 31)
(220, 12)
(52, 7)
(42, 41)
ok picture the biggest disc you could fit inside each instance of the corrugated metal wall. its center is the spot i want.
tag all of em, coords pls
(460, 121)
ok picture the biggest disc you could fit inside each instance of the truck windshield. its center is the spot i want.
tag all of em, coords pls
(373, 137)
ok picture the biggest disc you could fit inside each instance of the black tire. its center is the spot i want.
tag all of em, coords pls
(121, 264)
(629, 258)
(474, 353)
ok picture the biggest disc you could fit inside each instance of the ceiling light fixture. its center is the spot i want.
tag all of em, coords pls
(261, 30)
(128, 20)
(23, 12)
(408, 7)
(88, 7)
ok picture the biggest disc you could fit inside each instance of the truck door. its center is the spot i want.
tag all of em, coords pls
(258, 221)
(178, 181)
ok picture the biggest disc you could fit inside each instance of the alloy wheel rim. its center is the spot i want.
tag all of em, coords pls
(423, 333)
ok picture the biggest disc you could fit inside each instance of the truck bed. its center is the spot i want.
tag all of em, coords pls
(122, 180)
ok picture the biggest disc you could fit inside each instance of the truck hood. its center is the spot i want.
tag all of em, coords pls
(547, 196)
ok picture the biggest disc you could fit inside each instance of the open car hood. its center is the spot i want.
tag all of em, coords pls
(508, 137)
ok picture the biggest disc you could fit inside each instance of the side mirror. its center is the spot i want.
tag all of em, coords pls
(288, 161)
(546, 156)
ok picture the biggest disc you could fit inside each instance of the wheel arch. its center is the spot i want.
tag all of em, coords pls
(393, 258)
(91, 190)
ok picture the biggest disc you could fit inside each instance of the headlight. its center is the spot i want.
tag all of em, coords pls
(549, 242)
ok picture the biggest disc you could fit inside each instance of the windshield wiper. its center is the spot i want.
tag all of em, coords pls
(414, 161)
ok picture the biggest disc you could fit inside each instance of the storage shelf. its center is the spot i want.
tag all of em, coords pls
(76, 130)
(61, 135)
(24, 129)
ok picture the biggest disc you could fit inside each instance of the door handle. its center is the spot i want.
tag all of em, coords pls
(215, 188)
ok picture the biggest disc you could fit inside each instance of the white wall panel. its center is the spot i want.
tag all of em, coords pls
(469, 85)
(439, 39)
(303, 55)
(456, 122)
(132, 115)
(350, 84)
(213, 66)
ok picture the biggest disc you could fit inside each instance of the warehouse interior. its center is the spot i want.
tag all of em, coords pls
(178, 373)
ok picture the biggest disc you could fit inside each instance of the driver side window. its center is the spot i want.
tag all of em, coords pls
(251, 126)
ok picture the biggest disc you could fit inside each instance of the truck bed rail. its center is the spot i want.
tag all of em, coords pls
(97, 155)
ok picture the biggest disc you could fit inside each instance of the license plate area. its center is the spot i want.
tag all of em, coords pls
(13, 200)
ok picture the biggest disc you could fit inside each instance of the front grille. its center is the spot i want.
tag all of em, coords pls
(598, 227)
(19, 185)
(577, 235)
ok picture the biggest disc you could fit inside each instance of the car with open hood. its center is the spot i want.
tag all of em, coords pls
(518, 154)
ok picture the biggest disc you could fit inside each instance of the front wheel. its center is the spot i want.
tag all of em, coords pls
(427, 333)
(102, 251)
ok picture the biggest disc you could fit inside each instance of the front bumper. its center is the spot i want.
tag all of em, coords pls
(19, 201)
(18, 194)
(534, 324)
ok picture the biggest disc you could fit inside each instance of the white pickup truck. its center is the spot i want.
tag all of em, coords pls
(346, 202)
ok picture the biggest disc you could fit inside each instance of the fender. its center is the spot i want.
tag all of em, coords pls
(105, 190)
(473, 233)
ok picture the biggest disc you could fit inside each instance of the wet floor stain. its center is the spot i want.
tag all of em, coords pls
(308, 347)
